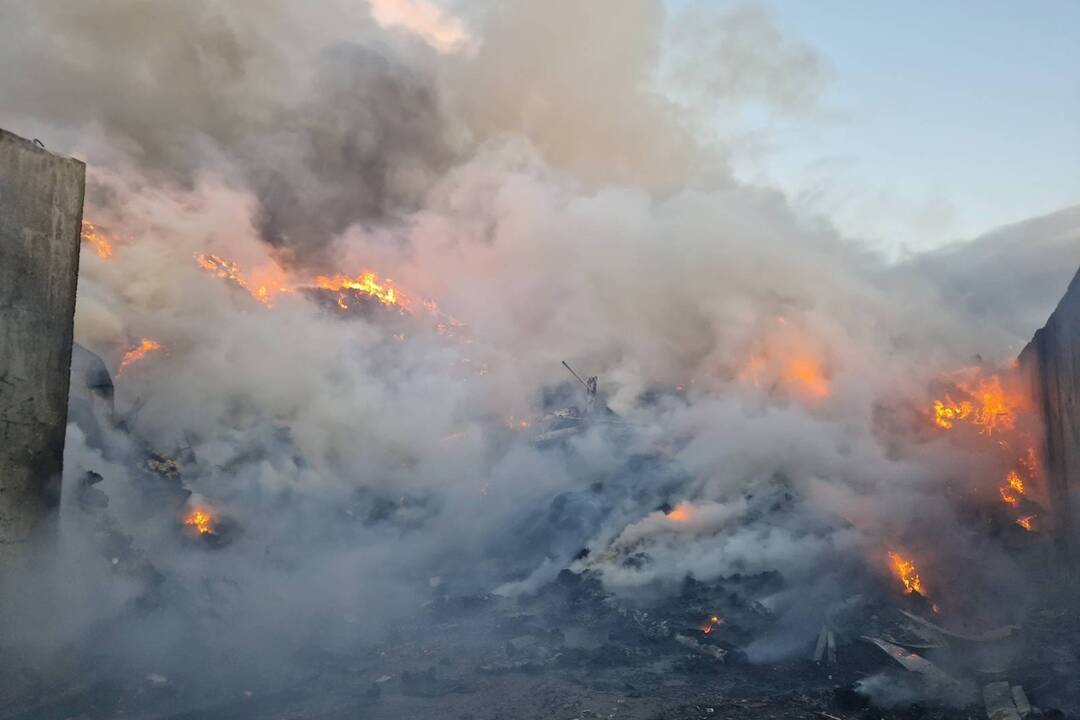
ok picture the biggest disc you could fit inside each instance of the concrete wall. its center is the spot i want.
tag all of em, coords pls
(1053, 359)
(41, 200)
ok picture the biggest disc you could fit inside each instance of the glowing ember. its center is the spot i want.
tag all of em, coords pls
(907, 573)
(97, 240)
(681, 513)
(799, 373)
(1030, 463)
(983, 403)
(807, 373)
(137, 353)
(1007, 497)
(711, 624)
(201, 519)
(1028, 522)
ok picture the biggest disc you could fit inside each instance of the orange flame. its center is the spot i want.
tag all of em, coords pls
(1013, 488)
(137, 353)
(807, 373)
(1027, 522)
(267, 282)
(984, 403)
(681, 513)
(907, 573)
(1007, 497)
(711, 624)
(263, 286)
(202, 519)
(800, 373)
(97, 240)
(366, 282)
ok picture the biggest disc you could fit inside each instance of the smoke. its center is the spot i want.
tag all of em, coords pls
(546, 173)
(892, 690)
(327, 126)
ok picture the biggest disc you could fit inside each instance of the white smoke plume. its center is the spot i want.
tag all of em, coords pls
(546, 173)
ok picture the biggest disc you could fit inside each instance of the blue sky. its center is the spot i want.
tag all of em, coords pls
(939, 120)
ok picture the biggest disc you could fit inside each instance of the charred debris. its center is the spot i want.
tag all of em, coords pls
(562, 645)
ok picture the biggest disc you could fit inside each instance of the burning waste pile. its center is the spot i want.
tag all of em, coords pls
(324, 458)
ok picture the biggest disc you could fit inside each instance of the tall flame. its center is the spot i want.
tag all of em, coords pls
(137, 353)
(97, 240)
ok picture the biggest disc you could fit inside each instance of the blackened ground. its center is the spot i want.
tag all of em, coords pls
(570, 652)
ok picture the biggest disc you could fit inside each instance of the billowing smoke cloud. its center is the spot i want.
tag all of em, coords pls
(534, 168)
(312, 111)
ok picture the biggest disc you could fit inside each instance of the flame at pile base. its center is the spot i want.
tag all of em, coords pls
(201, 519)
(137, 353)
(907, 573)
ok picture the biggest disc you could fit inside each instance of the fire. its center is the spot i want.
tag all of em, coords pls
(202, 519)
(1015, 482)
(263, 285)
(907, 573)
(803, 374)
(97, 240)
(137, 353)
(266, 283)
(1030, 463)
(1013, 489)
(983, 402)
(711, 624)
(681, 513)
(1027, 522)
(807, 373)
(1007, 497)
(366, 282)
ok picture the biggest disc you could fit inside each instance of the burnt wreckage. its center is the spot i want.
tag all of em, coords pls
(569, 647)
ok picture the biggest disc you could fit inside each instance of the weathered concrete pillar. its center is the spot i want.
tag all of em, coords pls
(1053, 360)
(41, 201)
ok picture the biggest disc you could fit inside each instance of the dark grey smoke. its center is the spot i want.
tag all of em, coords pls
(363, 146)
(178, 88)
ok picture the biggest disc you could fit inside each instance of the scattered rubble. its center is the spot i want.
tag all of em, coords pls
(915, 663)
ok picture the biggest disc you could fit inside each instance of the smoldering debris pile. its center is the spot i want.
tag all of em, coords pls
(309, 490)
(548, 646)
